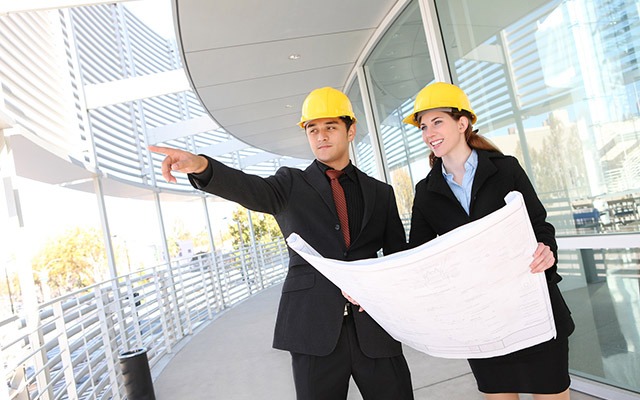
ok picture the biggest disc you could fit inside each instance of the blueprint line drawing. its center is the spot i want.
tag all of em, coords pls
(466, 294)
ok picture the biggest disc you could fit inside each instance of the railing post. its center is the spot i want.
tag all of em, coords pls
(218, 286)
(245, 271)
(65, 352)
(160, 296)
(175, 309)
(6, 392)
(134, 315)
(108, 336)
(259, 264)
(186, 310)
(203, 283)
(225, 271)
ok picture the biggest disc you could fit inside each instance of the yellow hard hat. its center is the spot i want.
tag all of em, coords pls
(325, 102)
(439, 95)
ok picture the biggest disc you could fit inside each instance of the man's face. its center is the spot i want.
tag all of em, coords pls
(329, 141)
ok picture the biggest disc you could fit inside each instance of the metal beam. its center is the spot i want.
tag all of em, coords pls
(181, 129)
(115, 92)
(256, 159)
(8, 7)
(222, 148)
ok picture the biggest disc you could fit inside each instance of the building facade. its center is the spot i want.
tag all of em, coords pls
(554, 83)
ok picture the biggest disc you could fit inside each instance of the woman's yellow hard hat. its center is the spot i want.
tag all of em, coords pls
(439, 95)
(325, 102)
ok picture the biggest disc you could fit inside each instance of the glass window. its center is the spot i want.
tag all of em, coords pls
(221, 217)
(556, 84)
(396, 70)
(363, 146)
(600, 287)
(185, 225)
(135, 233)
(558, 87)
(58, 237)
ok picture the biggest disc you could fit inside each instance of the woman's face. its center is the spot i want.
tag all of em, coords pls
(441, 132)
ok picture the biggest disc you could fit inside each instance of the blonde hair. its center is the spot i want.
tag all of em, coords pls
(471, 136)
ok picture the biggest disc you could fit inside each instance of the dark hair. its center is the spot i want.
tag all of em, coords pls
(348, 121)
(471, 136)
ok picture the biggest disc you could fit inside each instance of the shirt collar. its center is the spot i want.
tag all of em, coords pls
(349, 170)
(470, 165)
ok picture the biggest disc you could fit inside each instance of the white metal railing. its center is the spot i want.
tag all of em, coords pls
(70, 351)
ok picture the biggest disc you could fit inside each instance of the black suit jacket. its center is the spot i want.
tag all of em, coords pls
(311, 308)
(437, 211)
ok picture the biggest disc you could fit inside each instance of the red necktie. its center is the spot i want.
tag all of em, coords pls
(341, 203)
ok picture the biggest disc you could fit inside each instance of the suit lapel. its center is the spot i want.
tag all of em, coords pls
(437, 183)
(314, 177)
(485, 169)
(369, 195)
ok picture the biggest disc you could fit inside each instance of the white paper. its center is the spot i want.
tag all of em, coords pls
(466, 294)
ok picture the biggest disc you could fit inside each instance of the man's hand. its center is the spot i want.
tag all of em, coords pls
(352, 301)
(181, 161)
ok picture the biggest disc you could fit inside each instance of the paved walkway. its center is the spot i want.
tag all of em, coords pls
(232, 359)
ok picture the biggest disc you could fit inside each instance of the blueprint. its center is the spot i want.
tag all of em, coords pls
(466, 294)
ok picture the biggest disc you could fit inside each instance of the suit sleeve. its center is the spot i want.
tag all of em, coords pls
(267, 195)
(395, 238)
(421, 232)
(545, 232)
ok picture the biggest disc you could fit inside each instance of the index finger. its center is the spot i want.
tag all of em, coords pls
(167, 151)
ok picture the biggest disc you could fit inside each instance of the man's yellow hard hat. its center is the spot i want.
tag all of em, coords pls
(325, 102)
(439, 95)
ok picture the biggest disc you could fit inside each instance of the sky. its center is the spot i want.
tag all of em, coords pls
(156, 14)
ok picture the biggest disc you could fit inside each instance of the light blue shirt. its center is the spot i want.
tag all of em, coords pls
(463, 192)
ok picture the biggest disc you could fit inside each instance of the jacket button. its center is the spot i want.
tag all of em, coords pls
(344, 254)
(337, 227)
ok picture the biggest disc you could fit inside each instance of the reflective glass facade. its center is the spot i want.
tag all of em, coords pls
(556, 85)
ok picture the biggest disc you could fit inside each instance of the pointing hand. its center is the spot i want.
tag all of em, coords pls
(180, 161)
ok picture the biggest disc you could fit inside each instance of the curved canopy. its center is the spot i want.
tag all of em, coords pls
(252, 63)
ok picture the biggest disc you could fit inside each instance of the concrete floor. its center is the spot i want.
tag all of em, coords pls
(232, 359)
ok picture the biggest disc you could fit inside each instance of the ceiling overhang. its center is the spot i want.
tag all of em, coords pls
(253, 63)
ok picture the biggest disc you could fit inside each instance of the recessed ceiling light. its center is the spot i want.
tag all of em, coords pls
(294, 56)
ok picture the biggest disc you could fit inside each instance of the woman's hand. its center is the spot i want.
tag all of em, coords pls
(543, 259)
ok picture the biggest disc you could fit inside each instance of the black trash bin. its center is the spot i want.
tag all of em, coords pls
(137, 375)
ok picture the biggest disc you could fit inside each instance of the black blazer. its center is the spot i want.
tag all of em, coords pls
(437, 211)
(311, 308)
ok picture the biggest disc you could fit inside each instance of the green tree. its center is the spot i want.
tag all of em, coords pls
(265, 228)
(71, 261)
(403, 188)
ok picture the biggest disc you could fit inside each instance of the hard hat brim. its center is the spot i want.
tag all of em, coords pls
(302, 124)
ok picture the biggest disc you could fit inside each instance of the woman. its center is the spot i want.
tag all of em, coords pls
(469, 179)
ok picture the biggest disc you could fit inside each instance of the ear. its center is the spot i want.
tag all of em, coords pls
(351, 133)
(463, 123)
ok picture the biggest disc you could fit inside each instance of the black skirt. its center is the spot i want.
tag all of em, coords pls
(541, 369)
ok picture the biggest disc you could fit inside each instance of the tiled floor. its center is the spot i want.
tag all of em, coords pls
(232, 359)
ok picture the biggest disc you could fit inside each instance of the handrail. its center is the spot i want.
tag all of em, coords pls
(80, 335)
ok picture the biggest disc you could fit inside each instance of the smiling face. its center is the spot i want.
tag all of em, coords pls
(442, 133)
(329, 141)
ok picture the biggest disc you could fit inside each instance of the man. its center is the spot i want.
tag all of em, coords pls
(329, 339)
